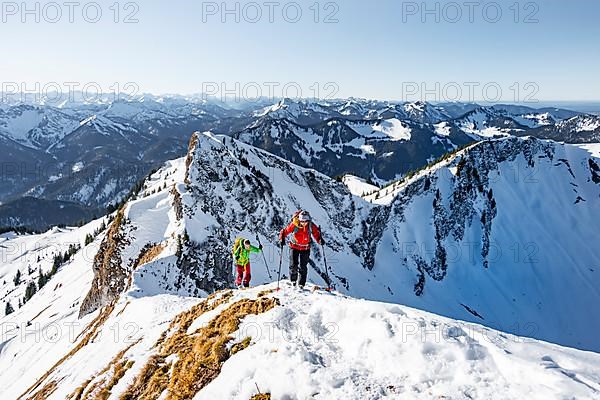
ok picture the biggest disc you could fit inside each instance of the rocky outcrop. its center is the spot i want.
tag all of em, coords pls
(177, 204)
(205, 266)
(110, 275)
(190, 155)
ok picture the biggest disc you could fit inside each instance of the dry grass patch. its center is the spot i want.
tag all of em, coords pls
(185, 319)
(262, 396)
(148, 254)
(76, 395)
(45, 392)
(241, 345)
(102, 387)
(119, 370)
(151, 381)
(199, 356)
(265, 292)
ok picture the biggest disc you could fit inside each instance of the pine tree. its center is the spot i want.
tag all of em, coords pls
(9, 309)
(17, 278)
(56, 264)
(29, 291)
(42, 279)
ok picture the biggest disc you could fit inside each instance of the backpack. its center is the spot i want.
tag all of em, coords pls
(295, 219)
(237, 246)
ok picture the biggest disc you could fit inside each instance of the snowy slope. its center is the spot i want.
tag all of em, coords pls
(593, 148)
(307, 346)
(486, 123)
(392, 129)
(333, 347)
(358, 186)
(31, 254)
(47, 330)
(454, 239)
(494, 245)
(36, 127)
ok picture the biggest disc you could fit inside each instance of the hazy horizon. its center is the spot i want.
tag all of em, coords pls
(432, 51)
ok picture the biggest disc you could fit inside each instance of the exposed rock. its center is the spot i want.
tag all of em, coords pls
(110, 275)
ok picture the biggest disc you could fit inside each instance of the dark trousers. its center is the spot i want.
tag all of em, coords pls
(299, 263)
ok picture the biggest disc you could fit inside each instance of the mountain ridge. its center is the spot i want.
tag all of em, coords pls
(223, 187)
(114, 144)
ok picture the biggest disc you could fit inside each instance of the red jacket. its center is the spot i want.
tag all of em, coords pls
(300, 239)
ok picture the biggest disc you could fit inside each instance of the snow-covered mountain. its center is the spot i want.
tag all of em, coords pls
(488, 122)
(579, 129)
(413, 242)
(424, 112)
(36, 127)
(381, 149)
(475, 237)
(93, 152)
(383, 141)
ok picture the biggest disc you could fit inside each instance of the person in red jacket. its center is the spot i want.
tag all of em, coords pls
(302, 230)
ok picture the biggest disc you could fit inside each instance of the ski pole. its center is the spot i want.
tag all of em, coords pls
(264, 257)
(280, 261)
(326, 268)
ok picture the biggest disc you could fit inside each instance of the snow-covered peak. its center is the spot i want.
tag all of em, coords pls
(423, 112)
(584, 123)
(358, 186)
(36, 126)
(485, 122)
(297, 111)
(533, 120)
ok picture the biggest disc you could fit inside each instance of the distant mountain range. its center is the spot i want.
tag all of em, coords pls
(92, 153)
(382, 141)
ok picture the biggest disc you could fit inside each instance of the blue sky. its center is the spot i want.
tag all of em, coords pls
(376, 49)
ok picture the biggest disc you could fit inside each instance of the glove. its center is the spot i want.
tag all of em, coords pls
(260, 246)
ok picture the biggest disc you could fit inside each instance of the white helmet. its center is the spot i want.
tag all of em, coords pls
(304, 216)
